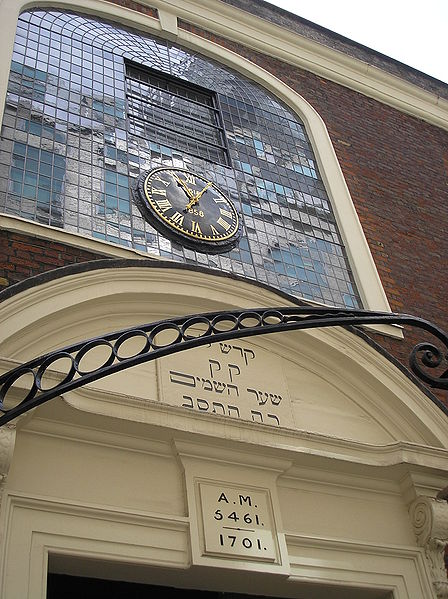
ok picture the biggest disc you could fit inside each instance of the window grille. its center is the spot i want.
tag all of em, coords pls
(175, 113)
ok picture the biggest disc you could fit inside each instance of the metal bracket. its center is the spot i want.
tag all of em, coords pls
(167, 337)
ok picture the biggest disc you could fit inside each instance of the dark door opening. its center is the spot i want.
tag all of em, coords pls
(61, 586)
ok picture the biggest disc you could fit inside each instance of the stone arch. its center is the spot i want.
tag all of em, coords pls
(335, 378)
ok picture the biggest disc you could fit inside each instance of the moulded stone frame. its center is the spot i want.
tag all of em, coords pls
(37, 526)
(202, 466)
(42, 529)
(79, 297)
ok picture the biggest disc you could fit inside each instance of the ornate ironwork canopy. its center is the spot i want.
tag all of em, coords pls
(429, 362)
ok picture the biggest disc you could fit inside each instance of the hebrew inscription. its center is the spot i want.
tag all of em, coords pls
(238, 522)
(228, 379)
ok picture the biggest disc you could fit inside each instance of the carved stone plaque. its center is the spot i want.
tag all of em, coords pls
(233, 379)
(238, 522)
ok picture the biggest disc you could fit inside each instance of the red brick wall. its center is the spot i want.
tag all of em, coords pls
(22, 256)
(132, 5)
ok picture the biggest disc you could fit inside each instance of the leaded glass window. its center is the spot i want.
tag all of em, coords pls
(78, 130)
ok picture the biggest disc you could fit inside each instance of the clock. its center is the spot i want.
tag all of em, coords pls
(188, 208)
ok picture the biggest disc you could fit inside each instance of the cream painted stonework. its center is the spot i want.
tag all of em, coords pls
(233, 506)
(430, 521)
(120, 480)
(236, 379)
(328, 382)
(339, 450)
(237, 521)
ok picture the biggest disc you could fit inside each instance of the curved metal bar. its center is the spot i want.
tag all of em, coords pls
(194, 330)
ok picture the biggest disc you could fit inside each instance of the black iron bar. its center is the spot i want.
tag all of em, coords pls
(424, 356)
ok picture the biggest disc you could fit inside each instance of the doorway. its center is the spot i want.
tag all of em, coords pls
(73, 587)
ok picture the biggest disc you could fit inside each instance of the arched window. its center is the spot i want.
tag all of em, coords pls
(77, 133)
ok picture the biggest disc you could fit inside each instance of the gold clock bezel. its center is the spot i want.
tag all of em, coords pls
(173, 224)
(200, 241)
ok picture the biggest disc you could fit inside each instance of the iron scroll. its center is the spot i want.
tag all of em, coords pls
(428, 362)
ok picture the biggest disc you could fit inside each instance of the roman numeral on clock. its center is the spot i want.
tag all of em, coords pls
(163, 205)
(160, 192)
(178, 218)
(195, 228)
(158, 178)
(226, 213)
(224, 224)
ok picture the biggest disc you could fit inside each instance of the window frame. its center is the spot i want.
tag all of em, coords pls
(170, 80)
(361, 261)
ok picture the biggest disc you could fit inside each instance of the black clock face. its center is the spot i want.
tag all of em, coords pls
(189, 209)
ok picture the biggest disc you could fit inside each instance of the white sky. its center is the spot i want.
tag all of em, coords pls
(415, 33)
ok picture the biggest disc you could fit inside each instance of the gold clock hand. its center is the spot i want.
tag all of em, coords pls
(191, 203)
(196, 198)
(198, 195)
(187, 190)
